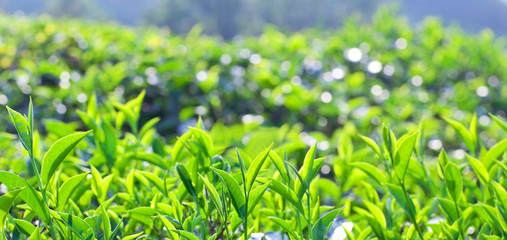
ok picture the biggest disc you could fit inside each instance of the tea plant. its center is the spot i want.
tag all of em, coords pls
(122, 180)
(275, 78)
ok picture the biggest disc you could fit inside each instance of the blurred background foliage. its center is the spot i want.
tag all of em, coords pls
(358, 76)
(228, 18)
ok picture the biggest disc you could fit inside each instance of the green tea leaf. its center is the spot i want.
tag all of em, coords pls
(279, 164)
(235, 192)
(185, 234)
(479, 170)
(106, 224)
(215, 198)
(463, 133)
(168, 225)
(6, 201)
(255, 196)
(22, 128)
(501, 193)
(473, 128)
(371, 170)
(494, 153)
(398, 194)
(80, 227)
(35, 235)
(376, 212)
(372, 145)
(308, 164)
(185, 178)
(147, 126)
(405, 147)
(286, 226)
(24, 226)
(453, 181)
(255, 167)
(285, 192)
(449, 209)
(133, 236)
(442, 162)
(321, 227)
(498, 121)
(57, 153)
(28, 194)
(68, 188)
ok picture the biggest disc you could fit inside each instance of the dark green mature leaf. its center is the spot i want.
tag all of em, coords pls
(57, 153)
(235, 192)
(185, 178)
(28, 194)
(453, 181)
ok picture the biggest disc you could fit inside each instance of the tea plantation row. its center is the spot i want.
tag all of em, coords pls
(108, 183)
(373, 131)
(361, 73)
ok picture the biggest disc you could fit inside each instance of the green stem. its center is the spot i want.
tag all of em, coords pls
(412, 214)
(43, 190)
(298, 216)
(203, 230)
(245, 221)
(309, 215)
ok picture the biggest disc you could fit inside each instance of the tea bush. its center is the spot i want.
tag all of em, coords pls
(357, 74)
(372, 131)
(113, 183)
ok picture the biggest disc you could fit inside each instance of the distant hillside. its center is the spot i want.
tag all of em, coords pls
(224, 18)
